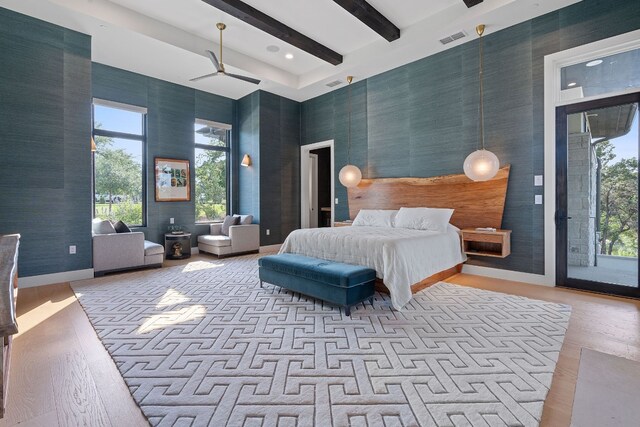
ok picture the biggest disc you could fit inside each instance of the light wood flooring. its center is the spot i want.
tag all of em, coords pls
(61, 375)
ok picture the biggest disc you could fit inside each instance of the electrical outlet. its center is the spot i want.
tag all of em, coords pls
(336, 200)
(268, 232)
(538, 199)
(171, 221)
(537, 180)
(72, 250)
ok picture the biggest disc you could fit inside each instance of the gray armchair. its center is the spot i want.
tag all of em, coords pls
(241, 239)
(124, 251)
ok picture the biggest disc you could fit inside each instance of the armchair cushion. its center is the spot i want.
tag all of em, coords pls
(245, 219)
(100, 226)
(228, 222)
(151, 248)
(218, 240)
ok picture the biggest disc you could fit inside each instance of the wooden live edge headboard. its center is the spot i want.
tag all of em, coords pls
(476, 204)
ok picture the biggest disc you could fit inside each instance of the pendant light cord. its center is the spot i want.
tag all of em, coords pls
(481, 75)
(349, 79)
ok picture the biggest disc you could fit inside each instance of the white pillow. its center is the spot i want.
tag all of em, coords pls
(375, 218)
(432, 219)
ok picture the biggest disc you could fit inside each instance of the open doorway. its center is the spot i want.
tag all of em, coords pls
(321, 188)
(317, 181)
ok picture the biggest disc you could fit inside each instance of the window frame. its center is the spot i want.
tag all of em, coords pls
(227, 150)
(121, 135)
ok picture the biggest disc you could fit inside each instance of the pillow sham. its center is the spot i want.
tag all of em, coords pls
(432, 219)
(375, 218)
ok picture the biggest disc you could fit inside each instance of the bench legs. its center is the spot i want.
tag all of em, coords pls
(260, 283)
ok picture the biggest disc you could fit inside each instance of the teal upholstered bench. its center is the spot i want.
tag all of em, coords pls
(334, 282)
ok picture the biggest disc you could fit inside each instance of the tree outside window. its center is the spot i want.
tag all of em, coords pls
(211, 170)
(119, 135)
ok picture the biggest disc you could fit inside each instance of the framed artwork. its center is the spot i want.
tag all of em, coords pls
(173, 182)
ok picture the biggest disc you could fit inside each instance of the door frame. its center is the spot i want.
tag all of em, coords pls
(560, 216)
(313, 197)
(305, 150)
(553, 64)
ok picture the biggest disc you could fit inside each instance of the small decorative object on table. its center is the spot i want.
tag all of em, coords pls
(175, 229)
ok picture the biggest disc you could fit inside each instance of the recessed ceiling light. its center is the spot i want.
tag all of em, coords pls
(289, 56)
(594, 63)
(273, 48)
(572, 84)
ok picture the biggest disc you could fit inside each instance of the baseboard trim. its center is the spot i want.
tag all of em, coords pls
(50, 279)
(516, 276)
(195, 251)
(270, 248)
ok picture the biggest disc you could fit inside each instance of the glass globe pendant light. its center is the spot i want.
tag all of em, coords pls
(350, 175)
(482, 164)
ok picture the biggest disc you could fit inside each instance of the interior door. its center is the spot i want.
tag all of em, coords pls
(597, 151)
(313, 190)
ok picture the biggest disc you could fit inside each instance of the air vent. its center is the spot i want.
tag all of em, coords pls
(334, 83)
(453, 37)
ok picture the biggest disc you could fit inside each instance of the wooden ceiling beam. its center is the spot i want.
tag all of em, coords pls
(471, 3)
(269, 25)
(371, 18)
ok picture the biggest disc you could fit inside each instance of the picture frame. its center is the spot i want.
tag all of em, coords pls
(173, 180)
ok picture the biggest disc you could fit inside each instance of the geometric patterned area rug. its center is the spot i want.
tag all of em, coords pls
(203, 345)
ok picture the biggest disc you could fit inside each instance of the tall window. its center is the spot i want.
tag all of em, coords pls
(119, 132)
(212, 170)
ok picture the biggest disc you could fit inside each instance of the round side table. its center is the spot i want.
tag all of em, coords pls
(177, 246)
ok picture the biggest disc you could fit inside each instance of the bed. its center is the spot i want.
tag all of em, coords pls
(400, 256)
(407, 260)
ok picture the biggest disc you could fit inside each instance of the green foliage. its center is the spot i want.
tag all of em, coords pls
(117, 182)
(211, 185)
(618, 203)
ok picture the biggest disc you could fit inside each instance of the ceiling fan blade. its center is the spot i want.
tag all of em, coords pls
(246, 79)
(203, 77)
(214, 59)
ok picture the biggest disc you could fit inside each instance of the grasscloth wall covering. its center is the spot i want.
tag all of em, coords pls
(270, 133)
(421, 119)
(45, 100)
(172, 111)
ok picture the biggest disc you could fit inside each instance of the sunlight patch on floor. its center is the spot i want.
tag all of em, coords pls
(201, 265)
(172, 297)
(32, 318)
(174, 317)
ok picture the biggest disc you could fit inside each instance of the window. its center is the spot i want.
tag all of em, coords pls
(119, 132)
(212, 170)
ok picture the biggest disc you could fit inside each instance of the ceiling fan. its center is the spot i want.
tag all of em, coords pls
(220, 66)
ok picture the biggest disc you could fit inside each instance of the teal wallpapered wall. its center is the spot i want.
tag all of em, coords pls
(45, 116)
(421, 119)
(270, 134)
(171, 113)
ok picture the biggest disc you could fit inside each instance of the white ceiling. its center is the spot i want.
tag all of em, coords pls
(166, 39)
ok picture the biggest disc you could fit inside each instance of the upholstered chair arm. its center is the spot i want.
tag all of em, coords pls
(118, 250)
(215, 229)
(245, 238)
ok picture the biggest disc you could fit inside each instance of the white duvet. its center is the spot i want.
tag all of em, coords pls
(400, 256)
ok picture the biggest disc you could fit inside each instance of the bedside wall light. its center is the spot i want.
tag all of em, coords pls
(93, 145)
(246, 161)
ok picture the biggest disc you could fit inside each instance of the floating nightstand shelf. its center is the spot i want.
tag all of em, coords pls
(486, 243)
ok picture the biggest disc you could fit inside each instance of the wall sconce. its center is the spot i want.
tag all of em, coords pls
(93, 145)
(246, 161)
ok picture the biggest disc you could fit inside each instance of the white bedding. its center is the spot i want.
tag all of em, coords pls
(400, 257)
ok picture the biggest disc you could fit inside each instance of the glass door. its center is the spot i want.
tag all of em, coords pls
(598, 145)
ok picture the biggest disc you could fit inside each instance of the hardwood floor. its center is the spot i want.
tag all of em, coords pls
(61, 375)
